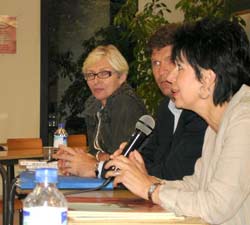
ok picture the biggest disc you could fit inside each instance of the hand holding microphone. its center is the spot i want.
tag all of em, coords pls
(143, 129)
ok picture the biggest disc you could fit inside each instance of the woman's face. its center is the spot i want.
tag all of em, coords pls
(103, 88)
(185, 85)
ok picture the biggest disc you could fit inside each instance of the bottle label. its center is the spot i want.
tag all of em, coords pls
(60, 140)
(41, 215)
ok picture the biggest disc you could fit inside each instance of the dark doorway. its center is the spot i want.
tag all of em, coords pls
(64, 27)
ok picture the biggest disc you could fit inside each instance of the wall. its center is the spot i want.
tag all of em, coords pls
(177, 16)
(20, 73)
(174, 16)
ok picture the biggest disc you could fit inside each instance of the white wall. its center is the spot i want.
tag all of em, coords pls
(177, 16)
(20, 73)
(174, 16)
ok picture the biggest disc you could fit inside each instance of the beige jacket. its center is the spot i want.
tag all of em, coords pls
(219, 190)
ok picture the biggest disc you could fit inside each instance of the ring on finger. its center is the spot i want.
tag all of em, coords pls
(117, 173)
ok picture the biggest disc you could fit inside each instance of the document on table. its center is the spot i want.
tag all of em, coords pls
(118, 211)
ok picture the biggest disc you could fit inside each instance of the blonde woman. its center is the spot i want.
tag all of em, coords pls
(110, 113)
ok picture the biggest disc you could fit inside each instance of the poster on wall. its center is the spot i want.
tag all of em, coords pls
(7, 34)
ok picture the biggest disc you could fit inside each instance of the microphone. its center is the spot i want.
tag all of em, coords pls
(143, 129)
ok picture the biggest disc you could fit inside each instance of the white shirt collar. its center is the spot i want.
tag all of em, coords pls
(176, 112)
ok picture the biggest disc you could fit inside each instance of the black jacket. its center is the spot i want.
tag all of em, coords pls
(172, 156)
(118, 118)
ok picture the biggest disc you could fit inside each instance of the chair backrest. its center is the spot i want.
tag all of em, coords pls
(3, 146)
(21, 143)
(77, 140)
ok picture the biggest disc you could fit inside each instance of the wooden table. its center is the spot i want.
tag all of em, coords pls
(21, 154)
(114, 198)
(105, 206)
(10, 158)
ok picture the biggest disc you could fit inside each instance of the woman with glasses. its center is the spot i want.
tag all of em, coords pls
(111, 112)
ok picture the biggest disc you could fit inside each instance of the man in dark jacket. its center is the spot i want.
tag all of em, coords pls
(177, 140)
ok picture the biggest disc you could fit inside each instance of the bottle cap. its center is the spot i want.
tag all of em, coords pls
(46, 175)
(61, 125)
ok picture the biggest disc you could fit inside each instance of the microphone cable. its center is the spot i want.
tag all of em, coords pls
(104, 184)
(10, 215)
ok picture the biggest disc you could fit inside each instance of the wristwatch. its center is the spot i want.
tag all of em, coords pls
(151, 190)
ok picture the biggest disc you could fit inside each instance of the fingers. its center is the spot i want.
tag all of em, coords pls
(67, 168)
(63, 156)
(62, 168)
(79, 150)
(64, 153)
(120, 162)
(137, 160)
(122, 145)
(117, 174)
(67, 164)
(136, 156)
(89, 155)
(62, 164)
(119, 150)
(122, 165)
(118, 180)
(68, 150)
(116, 153)
(80, 164)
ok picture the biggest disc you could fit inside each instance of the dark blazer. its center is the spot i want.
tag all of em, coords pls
(172, 156)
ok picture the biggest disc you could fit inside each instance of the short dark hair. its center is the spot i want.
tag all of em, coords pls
(219, 45)
(162, 37)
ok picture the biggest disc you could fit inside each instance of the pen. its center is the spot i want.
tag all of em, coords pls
(51, 160)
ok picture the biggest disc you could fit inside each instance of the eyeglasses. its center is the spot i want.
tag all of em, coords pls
(101, 75)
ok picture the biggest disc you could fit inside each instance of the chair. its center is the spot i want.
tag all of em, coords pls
(77, 140)
(24, 143)
(3, 146)
(19, 144)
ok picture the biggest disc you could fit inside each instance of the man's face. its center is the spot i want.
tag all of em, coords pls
(162, 66)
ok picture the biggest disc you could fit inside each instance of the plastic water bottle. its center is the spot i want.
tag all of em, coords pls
(60, 136)
(45, 205)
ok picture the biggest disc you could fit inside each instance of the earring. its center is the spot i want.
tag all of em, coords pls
(204, 92)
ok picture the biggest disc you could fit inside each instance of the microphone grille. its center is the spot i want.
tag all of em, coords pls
(145, 124)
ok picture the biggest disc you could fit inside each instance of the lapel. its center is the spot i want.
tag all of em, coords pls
(165, 121)
(180, 127)
(185, 117)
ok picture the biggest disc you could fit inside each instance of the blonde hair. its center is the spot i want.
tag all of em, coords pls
(112, 54)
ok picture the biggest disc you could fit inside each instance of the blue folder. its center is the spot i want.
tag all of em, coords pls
(27, 181)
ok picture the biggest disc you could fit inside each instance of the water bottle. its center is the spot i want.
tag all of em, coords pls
(60, 136)
(45, 205)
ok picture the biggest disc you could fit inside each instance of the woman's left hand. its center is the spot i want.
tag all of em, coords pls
(132, 173)
(76, 162)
